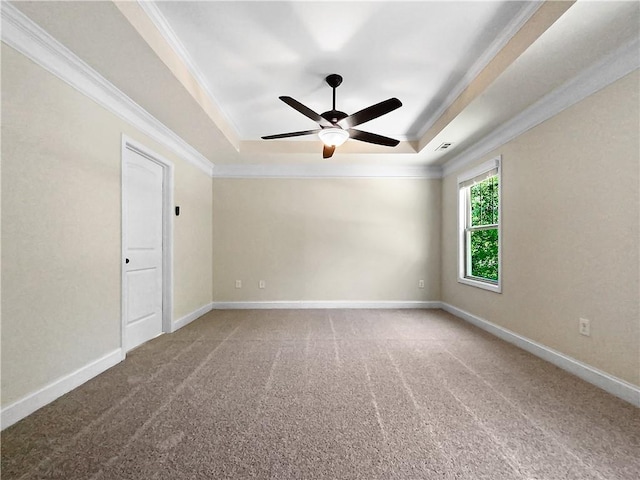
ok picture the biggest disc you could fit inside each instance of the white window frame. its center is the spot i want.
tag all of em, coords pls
(463, 215)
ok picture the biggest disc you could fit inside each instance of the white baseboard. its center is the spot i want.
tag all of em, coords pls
(190, 317)
(303, 304)
(609, 383)
(38, 399)
(34, 401)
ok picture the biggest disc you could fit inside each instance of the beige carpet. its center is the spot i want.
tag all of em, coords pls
(331, 394)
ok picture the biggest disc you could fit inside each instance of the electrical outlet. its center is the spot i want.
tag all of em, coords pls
(238, 283)
(585, 327)
(420, 283)
(261, 284)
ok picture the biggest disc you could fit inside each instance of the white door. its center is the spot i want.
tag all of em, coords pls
(143, 197)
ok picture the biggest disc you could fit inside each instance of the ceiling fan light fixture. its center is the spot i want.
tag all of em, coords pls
(336, 127)
(333, 136)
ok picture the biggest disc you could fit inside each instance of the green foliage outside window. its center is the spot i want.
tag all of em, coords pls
(484, 243)
(484, 202)
(484, 254)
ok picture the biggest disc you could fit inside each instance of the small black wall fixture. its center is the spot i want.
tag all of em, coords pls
(177, 210)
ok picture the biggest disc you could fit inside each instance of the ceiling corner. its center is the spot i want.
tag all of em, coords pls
(538, 19)
(150, 24)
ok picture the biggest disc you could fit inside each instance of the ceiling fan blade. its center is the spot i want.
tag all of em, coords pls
(327, 152)
(372, 138)
(369, 113)
(291, 134)
(306, 111)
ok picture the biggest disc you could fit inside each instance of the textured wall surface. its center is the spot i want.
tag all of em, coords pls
(326, 239)
(571, 212)
(61, 231)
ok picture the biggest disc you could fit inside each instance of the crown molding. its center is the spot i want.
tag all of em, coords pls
(325, 171)
(313, 146)
(483, 60)
(602, 73)
(22, 34)
(213, 109)
(25, 36)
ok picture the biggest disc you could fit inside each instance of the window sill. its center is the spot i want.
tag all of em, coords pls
(492, 287)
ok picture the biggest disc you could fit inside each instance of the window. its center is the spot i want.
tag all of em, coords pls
(479, 227)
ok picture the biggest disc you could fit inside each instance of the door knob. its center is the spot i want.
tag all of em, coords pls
(126, 260)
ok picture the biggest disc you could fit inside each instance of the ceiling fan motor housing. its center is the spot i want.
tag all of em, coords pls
(333, 116)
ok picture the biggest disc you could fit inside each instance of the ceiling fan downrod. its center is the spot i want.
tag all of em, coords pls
(334, 80)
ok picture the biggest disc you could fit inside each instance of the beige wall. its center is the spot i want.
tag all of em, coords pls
(326, 239)
(568, 252)
(571, 212)
(192, 237)
(61, 234)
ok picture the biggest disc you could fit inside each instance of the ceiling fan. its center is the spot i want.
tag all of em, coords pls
(336, 126)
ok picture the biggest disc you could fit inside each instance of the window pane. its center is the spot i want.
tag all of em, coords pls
(484, 254)
(484, 202)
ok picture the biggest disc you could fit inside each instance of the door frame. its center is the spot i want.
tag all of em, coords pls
(167, 234)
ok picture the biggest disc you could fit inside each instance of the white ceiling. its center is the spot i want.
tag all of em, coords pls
(252, 52)
(243, 55)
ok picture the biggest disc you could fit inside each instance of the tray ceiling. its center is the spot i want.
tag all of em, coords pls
(212, 71)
